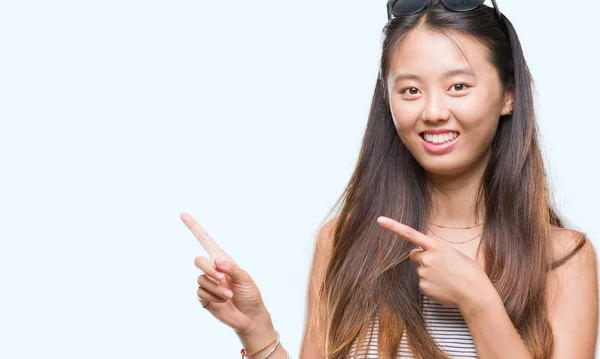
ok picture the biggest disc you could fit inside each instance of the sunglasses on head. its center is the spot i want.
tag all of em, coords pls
(408, 7)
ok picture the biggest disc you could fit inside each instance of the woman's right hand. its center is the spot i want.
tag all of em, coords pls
(225, 290)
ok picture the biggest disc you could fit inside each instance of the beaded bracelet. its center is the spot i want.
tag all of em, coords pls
(274, 347)
(287, 355)
(247, 355)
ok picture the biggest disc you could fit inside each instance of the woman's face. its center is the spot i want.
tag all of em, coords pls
(445, 105)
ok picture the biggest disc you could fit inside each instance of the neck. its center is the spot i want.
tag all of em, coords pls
(454, 198)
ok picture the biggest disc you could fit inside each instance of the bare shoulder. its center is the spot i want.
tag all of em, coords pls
(324, 242)
(570, 246)
(574, 257)
(572, 295)
(323, 250)
(313, 339)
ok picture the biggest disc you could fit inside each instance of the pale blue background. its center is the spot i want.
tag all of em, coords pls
(116, 116)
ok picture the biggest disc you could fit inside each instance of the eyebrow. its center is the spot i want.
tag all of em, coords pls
(461, 71)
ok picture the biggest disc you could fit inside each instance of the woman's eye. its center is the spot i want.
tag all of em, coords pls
(460, 87)
(410, 90)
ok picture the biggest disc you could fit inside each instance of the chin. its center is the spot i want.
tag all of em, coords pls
(447, 167)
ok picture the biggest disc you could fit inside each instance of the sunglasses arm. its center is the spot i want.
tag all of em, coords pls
(497, 9)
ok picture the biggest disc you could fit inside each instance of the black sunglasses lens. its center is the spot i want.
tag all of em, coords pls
(406, 7)
(462, 5)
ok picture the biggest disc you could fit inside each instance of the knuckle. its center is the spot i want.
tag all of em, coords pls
(206, 265)
(206, 281)
(200, 262)
(203, 294)
(244, 275)
(206, 294)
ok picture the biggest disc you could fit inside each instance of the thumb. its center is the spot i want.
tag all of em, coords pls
(237, 274)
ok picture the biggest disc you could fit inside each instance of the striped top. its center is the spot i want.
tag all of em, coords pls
(446, 326)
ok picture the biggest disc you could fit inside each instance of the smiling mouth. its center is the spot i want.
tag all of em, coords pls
(438, 139)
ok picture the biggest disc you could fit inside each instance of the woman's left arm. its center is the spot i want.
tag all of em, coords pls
(572, 298)
(449, 277)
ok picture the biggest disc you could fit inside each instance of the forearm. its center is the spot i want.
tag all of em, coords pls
(260, 333)
(493, 333)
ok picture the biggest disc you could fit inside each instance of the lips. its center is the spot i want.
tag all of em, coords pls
(439, 141)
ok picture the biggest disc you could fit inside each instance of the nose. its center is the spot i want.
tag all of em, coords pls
(436, 108)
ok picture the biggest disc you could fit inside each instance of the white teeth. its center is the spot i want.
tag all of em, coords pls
(441, 138)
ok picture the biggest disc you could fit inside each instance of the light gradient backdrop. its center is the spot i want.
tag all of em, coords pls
(117, 116)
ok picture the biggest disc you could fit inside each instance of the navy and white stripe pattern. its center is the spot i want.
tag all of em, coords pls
(446, 326)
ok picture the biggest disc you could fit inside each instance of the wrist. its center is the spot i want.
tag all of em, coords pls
(482, 302)
(258, 333)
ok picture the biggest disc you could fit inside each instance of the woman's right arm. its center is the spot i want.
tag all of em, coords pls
(229, 293)
(312, 341)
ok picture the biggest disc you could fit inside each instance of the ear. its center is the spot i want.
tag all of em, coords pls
(507, 106)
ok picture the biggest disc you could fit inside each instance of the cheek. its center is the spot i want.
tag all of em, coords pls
(479, 130)
(405, 118)
(478, 116)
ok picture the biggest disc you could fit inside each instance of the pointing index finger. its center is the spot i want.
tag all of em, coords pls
(410, 234)
(205, 240)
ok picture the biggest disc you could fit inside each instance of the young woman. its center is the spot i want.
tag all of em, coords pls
(447, 243)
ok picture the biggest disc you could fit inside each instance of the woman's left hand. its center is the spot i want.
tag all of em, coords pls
(446, 275)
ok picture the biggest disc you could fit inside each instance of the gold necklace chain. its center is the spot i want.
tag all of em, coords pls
(444, 239)
(465, 227)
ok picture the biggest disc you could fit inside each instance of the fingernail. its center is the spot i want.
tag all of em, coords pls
(219, 275)
(383, 220)
(218, 262)
(228, 293)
